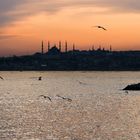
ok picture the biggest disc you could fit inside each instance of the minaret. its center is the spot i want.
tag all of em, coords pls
(60, 46)
(42, 48)
(93, 48)
(110, 48)
(66, 46)
(48, 46)
(73, 47)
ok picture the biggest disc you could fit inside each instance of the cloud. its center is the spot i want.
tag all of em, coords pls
(13, 10)
(3, 37)
(114, 5)
(7, 6)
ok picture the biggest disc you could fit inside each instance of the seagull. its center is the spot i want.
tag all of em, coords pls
(1, 78)
(64, 98)
(40, 78)
(82, 83)
(46, 97)
(101, 27)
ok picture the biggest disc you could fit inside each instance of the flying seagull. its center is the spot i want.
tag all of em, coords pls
(1, 78)
(64, 98)
(40, 78)
(101, 27)
(45, 97)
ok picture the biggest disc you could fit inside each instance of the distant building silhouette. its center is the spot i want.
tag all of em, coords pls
(42, 48)
(48, 46)
(66, 46)
(54, 51)
(99, 49)
(74, 59)
(93, 48)
(110, 48)
(60, 46)
(73, 47)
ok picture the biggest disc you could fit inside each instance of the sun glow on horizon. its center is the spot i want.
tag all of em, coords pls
(73, 24)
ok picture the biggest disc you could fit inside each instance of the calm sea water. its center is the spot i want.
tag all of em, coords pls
(66, 82)
(99, 108)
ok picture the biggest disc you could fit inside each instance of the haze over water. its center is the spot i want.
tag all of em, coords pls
(99, 108)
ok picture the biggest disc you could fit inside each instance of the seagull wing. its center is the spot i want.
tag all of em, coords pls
(103, 28)
(100, 27)
(1, 78)
(49, 98)
(42, 96)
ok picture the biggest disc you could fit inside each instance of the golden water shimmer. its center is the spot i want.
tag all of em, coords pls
(98, 108)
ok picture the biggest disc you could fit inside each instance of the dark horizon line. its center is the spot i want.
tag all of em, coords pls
(29, 54)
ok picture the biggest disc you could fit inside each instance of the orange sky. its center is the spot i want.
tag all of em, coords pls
(23, 34)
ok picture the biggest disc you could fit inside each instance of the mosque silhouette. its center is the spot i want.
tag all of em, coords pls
(62, 58)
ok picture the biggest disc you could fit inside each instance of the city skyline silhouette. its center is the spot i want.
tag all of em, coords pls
(23, 24)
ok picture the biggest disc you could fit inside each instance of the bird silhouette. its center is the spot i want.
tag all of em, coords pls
(40, 78)
(1, 78)
(101, 27)
(64, 98)
(82, 83)
(46, 97)
(126, 92)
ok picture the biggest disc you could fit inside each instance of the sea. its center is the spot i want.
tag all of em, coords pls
(73, 105)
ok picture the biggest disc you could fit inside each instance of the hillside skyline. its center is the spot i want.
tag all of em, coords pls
(24, 24)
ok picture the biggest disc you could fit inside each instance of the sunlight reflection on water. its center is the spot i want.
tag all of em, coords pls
(99, 108)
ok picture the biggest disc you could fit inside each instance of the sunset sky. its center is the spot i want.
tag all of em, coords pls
(25, 23)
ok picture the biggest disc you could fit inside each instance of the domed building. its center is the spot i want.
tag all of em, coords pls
(53, 51)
